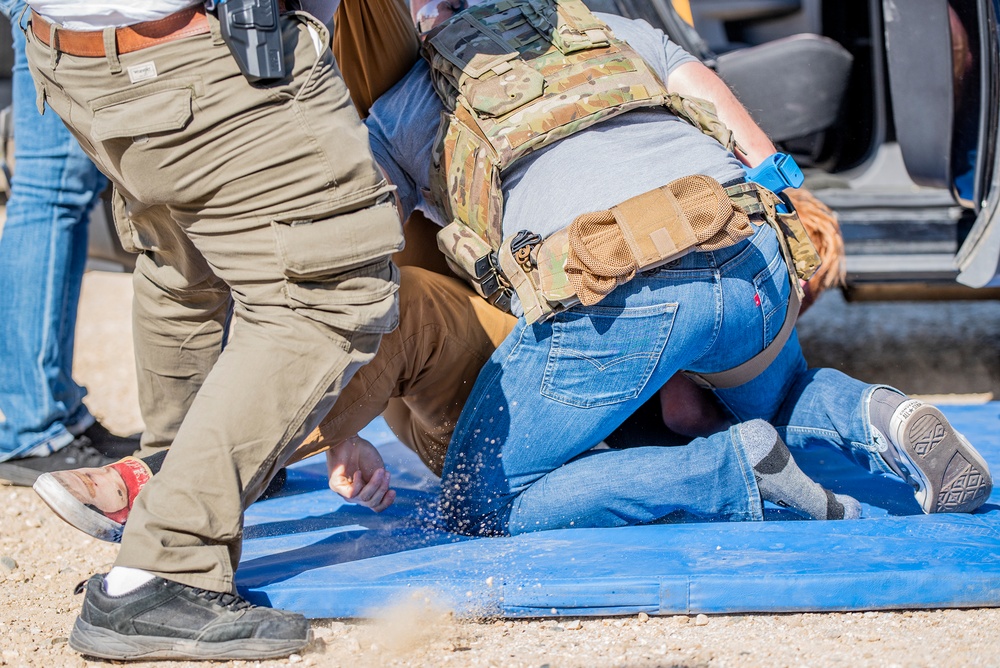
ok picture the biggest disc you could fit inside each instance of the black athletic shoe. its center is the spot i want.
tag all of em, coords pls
(111, 445)
(78, 454)
(163, 619)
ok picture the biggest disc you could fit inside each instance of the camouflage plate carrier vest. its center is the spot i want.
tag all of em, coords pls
(518, 75)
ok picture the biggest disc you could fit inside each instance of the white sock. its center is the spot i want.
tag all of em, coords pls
(122, 579)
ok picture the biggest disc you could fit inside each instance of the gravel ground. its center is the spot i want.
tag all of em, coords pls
(41, 559)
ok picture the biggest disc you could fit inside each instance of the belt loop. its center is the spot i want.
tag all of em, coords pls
(20, 20)
(214, 27)
(111, 49)
(53, 46)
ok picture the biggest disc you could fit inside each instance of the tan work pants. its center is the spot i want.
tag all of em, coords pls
(265, 197)
(375, 44)
(423, 371)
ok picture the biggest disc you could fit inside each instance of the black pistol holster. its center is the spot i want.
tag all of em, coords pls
(252, 32)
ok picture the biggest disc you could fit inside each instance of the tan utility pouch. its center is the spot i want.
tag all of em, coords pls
(607, 248)
(800, 247)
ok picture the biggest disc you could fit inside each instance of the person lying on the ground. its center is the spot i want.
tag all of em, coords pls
(420, 380)
(513, 465)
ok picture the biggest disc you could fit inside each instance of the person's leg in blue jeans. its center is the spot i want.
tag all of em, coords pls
(43, 250)
(518, 459)
(875, 425)
(516, 462)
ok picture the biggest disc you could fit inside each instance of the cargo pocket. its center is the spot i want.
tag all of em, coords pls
(128, 234)
(137, 113)
(337, 269)
(605, 355)
(771, 286)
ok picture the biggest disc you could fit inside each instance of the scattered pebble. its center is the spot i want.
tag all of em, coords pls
(682, 619)
(701, 620)
(643, 617)
(509, 624)
(574, 625)
(7, 564)
(294, 658)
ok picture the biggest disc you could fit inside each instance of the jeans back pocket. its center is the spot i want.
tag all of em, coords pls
(605, 355)
(772, 287)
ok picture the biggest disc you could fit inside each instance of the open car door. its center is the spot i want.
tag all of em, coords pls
(891, 108)
(943, 62)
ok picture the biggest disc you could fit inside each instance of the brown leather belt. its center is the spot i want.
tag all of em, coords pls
(90, 43)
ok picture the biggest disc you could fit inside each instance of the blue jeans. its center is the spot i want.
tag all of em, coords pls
(520, 458)
(43, 251)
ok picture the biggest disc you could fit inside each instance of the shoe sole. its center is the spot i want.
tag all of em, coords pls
(18, 475)
(107, 644)
(75, 513)
(954, 478)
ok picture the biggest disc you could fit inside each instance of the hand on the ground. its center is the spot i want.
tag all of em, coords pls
(358, 474)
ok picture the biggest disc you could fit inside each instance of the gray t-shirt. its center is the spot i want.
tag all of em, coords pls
(589, 171)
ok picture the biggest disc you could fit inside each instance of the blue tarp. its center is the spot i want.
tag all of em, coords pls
(307, 551)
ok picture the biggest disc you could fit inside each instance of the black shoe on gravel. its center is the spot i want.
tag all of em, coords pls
(111, 445)
(163, 619)
(946, 472)
(80, 454)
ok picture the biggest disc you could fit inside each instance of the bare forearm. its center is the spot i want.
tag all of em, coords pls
(696, 80)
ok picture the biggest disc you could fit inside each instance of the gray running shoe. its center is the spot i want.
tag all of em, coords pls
(163, 619)
(949, 476)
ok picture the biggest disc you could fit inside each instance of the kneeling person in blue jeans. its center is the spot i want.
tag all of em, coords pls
(520, 457)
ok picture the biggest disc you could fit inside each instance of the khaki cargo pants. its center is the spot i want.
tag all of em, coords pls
(263, 198)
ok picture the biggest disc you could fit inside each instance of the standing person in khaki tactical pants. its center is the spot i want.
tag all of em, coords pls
(263, 196)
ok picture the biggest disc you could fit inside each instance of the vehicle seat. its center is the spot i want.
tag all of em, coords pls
(793, 87)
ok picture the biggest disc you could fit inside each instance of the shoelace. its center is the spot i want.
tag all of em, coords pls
(225, 599)
(88, 456)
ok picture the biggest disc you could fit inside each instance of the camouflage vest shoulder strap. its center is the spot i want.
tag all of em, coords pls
(518, 75)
